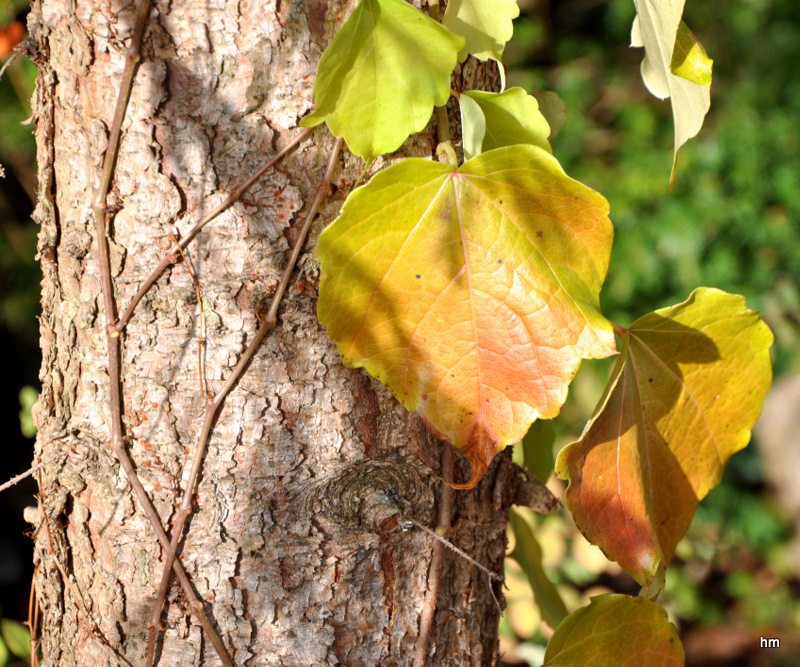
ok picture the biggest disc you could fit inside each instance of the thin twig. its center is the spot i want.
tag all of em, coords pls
(8, 63)
(186, 240)
(452, 547)
(33, 617)
(132, 58)
(201, 368)
(437, 561)
(30, 471)
(94, 628)
(213, 406)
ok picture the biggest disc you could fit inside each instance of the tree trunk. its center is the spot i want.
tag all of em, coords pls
(296, 567)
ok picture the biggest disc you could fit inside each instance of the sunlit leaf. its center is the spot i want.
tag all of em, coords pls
(656, 29)
(486, 25)
(686, 390)
(495, 120)
(381, 76)
(528, 554)
(471, 293)
(689, 59)
(615, 630)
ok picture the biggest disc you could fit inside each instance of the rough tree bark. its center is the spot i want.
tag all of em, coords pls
(293, 570)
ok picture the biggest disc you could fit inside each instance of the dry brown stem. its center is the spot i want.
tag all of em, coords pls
(213, 406)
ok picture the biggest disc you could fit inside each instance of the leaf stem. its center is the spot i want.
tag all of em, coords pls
(442, 124)
(213, 406)
(620, 331)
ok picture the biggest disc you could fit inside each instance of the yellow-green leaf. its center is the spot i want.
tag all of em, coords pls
(495, 120)
(17, 637)
(381, 76)
(486, 25)
(615, 630)
(528, 554)
(471, 293)
(689, 59)
(656, 29)
(686, 390)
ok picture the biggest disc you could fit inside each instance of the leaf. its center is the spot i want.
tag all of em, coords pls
(528, 554)
(486, 25)
(554, 110)
(689, 58)
(537, 447)
(615, 630)
(501, 119)
(686, 390)
(17, 637)
(382, 74)
(471, 293)
(656, 29)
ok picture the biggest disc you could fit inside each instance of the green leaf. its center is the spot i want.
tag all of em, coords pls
(17, 637)
(486, 25)
(615, 630)
(5, 654)
(382, 74)
(471, 293)
(686, 390)
(537, 448)
(689, 59)
(656, 29)
(495, 120)
(528, 554)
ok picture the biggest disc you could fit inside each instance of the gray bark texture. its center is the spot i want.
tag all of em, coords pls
(291, 546)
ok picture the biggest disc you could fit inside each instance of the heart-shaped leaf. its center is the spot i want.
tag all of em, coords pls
(382, 74)
(686, 390)
(615, 630)
(486, 25)
(495, 120)
(656, 29)
(471, 293)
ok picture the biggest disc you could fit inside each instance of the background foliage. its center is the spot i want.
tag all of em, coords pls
(733, 223)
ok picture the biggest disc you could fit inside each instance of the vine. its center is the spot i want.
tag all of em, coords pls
(472, 292)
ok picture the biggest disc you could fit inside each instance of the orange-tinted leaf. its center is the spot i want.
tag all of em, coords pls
(615, 630)
(686, 390)
(471, 293)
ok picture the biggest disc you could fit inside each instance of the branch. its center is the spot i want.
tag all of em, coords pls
(132, 58)
(213, 406)
(437, 561)
(186, 240)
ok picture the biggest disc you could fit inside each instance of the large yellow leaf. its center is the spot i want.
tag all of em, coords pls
(471, 293)
(682, 399)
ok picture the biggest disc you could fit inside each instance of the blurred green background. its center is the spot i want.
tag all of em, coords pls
(733, 222)
(19, 337)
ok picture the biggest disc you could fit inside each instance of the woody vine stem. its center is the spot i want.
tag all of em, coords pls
(114, 327)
